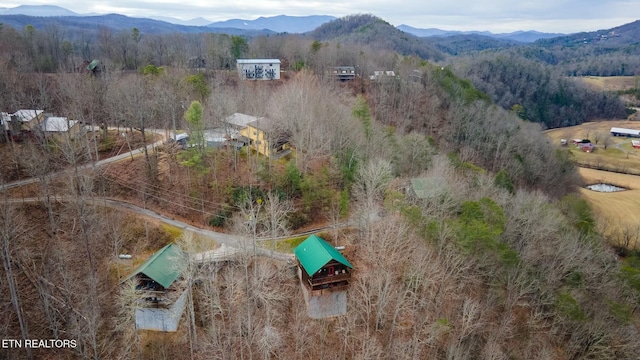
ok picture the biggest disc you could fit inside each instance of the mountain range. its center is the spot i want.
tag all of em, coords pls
(521, 36)
(261, 25)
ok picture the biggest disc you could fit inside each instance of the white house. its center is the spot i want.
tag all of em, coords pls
(380, 74)
(258, 69)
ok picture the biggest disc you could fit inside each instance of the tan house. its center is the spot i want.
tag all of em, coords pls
(266, 138)
(29, 119)
(57, 127)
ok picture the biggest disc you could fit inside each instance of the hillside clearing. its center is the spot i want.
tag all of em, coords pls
(616, 212)
(619, 156)
(611, 83)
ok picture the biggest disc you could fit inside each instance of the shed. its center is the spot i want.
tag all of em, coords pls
(258, 69)
(322, 267)
(586, 147)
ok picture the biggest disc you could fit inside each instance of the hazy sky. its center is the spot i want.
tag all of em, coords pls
(565, 16)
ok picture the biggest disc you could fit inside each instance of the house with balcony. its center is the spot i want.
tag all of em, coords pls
(322, 267)
(258, 69)
(324, 275)
(343, 73)
(163, 294)
(267, 138)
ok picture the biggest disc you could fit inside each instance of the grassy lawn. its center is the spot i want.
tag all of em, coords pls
(287, 245)
(198, 244)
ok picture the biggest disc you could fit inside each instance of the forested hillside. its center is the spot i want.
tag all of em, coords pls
(530, 79)
(460, 217)
(537, 91)
(377, 33)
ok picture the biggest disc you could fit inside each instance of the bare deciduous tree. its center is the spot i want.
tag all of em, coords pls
(11, 230)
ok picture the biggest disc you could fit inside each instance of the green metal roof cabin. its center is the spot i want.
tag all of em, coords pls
(161, 268)
(322, 267)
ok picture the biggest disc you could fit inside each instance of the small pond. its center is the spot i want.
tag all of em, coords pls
(605, 187)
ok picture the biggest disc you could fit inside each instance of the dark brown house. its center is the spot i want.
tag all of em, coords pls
(322, 268)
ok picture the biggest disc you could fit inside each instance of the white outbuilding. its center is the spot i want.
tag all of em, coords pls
(615, 131)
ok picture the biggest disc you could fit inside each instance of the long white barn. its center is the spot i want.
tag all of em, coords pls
(625, 132)
(258, 69)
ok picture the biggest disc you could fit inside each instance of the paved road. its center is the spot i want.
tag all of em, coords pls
(93, 165)
(232, 243)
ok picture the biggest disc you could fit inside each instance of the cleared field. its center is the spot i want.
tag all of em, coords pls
(619, 210)
(611, 83)
(619, 156)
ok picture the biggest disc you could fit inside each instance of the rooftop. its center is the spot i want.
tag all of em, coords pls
(314, 253)
(427, 187)
(264, 124)
(27, 115)
(57, 124)
(258, 61)
(162, 266)
(240, 120)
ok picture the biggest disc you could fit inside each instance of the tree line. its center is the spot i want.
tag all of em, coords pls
(538, 92)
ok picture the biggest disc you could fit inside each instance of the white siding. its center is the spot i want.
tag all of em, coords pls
(259, 69)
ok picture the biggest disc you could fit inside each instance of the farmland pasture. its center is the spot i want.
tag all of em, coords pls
(611, 83)
(616, 212)
(619, 156)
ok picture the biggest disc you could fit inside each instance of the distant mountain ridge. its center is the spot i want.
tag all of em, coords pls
(38, 10)
(199, 21)
(620, 35)
(521, 36)
(280, 23)
(277, 24)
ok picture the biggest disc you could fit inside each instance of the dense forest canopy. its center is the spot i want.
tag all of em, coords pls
(538, 92)
(530, 79)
